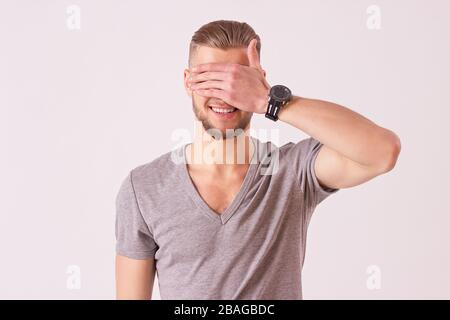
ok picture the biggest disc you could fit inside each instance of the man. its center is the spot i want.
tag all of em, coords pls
(220, 224)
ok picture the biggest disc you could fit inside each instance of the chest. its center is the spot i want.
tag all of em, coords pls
(218, 193)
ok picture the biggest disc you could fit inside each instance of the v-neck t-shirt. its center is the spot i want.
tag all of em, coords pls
(255, 249)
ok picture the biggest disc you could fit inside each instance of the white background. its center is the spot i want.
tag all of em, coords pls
(80, 108)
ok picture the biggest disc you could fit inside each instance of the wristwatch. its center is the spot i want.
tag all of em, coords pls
(279, 95)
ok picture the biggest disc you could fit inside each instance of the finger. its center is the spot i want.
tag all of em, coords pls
(210, 84)
(212, 67)
(209, 75)
(215, 93)
(252, 54)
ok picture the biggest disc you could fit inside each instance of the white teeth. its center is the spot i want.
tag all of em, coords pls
(221, 110)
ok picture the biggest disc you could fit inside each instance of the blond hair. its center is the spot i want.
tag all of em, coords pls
(223, 34)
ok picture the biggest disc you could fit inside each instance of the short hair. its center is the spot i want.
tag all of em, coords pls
(223, 34)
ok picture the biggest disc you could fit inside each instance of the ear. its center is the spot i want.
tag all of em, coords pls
(265, 78)
(252, 54)
(186, 76)
(264, 72)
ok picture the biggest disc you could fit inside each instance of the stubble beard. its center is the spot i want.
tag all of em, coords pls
(223, 134)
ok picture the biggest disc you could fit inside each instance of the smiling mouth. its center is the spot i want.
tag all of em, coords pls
(223, 110)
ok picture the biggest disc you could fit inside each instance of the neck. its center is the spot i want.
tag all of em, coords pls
(220, 153)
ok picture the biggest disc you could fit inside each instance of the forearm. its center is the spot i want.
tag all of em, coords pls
(342, 130)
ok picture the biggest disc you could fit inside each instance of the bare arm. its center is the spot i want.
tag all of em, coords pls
(134, 278)
(355, 149)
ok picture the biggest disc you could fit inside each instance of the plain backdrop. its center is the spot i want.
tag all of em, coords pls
(80, 107)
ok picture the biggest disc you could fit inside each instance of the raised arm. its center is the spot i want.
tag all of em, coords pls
(355, 149)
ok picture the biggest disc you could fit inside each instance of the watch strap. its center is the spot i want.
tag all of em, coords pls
(273, 108)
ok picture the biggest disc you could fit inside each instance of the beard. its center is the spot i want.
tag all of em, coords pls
(216, 133)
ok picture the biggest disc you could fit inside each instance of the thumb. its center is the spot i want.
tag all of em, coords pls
(252, 54)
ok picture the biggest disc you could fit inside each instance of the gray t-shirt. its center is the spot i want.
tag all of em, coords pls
(255, 249)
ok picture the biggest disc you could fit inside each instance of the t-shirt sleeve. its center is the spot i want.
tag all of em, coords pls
(302, 156)
(133, 237)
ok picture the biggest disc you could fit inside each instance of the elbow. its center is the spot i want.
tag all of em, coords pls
(393, 148)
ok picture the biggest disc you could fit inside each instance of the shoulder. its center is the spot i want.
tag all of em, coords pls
(268, 151)
(158, 174)
(158, 171)
(290, 157)
(303, 146)
(300, 152)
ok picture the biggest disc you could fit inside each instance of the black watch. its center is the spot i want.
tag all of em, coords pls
(279, 95)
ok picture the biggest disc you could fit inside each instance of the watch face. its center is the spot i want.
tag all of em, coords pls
(280, 92)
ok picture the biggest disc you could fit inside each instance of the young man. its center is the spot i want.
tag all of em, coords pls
(223, 226)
